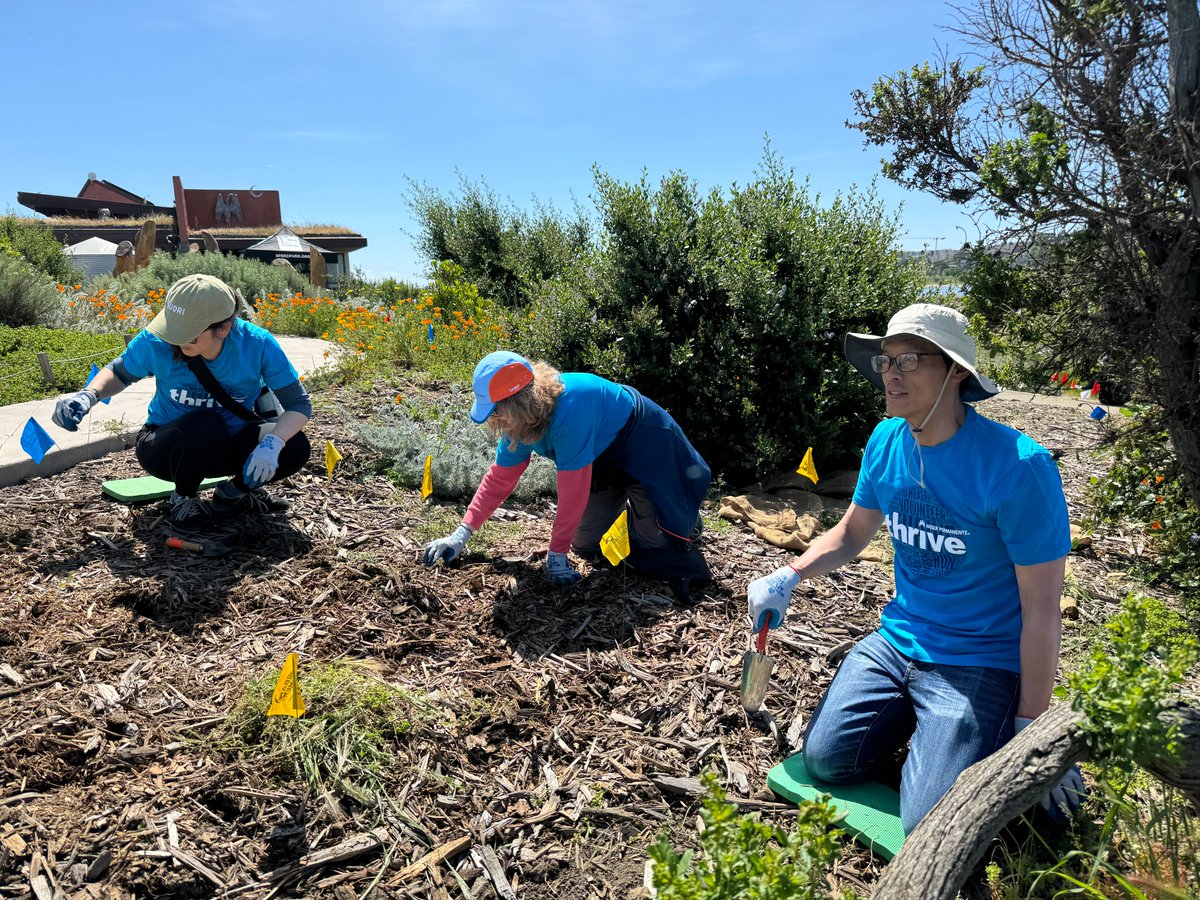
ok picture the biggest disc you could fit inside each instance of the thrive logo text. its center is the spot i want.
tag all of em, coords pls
(923, 537)
(181, 396)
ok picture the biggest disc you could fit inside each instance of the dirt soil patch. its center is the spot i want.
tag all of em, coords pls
(574, 722)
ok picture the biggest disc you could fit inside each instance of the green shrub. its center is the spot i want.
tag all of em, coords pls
(1144, 487)
(71, 353)
(26, 297)
(1123, 689)
(505, 251)
(742, 856)
(255, 279)
(1122, 694)
(462, 451)
(37, 245)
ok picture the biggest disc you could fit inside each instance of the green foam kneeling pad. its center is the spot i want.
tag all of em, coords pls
(870, 811)
(136, 490)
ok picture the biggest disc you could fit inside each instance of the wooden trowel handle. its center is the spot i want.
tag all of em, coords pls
(760, 642)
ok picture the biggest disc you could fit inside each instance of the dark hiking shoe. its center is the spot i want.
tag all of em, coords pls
(256, 503)
(189, 514)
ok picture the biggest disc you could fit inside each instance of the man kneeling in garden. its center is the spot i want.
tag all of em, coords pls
(967, 649)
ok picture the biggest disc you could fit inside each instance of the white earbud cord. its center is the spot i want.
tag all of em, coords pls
(916, 434)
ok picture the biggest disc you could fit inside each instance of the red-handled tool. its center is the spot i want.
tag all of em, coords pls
(210, 547)
(756, 672)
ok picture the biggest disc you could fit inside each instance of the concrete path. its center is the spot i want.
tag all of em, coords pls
(108, 427)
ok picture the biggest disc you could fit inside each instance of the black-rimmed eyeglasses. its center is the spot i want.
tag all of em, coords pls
(905, 362)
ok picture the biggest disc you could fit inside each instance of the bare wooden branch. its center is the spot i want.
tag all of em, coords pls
(942, 851)
(347, 849)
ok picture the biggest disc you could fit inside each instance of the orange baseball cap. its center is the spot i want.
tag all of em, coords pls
(498, 375)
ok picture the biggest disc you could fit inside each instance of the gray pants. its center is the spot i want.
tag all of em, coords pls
(602, 510)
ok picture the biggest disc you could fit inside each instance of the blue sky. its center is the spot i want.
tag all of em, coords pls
(335, 104)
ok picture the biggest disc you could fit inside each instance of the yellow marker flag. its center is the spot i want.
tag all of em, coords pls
(807, 469)
(615, 543)
(331, 458)
(427, 479)
(286, 699)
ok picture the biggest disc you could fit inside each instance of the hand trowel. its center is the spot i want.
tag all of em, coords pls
(756, 673)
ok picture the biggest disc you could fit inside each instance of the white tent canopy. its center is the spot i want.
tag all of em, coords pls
(93, 246)
(94, 256)
(283, 244)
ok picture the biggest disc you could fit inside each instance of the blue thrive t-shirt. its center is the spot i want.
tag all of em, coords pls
(994, 500)
(590, 413)
(249, 359)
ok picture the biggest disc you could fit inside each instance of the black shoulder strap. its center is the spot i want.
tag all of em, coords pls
(205, 376)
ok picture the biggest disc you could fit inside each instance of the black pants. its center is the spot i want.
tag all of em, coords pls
(199, 446)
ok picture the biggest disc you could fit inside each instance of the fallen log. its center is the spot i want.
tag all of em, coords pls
(943, 850)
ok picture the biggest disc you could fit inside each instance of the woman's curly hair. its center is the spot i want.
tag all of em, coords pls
(525, 416)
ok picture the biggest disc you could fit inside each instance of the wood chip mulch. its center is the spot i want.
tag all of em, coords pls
(574, 723)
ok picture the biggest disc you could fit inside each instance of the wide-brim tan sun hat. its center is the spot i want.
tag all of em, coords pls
(193, 303)
(943, 327)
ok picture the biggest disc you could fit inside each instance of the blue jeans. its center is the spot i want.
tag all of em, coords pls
(952, 716)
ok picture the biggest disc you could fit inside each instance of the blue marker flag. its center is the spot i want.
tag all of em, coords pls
(35, 441)
(92, 374)
(431, 333)
(1098, 413)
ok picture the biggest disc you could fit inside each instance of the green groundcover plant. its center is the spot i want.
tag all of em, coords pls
(347, 740)
(742, 856)
(461, 451)
(72, 354)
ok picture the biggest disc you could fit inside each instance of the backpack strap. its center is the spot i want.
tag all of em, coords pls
(205, 376)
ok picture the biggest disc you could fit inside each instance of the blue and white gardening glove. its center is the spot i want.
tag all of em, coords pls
(70, 410)
(559, 571)
(263, 461)
(1065, 798)
(770, 595)
(449, 548)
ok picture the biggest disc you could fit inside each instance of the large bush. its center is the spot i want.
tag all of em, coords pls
(729, 310)
(253, 278)
(38, 246)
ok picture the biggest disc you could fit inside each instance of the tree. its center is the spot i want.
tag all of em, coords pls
(1079, 130)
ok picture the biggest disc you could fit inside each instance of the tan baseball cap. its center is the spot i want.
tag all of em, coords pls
(192, 304)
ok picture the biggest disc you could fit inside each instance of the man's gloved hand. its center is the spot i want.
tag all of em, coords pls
(1065, 798)
(263, 461)
(70, 410)
(769, 597)
(559, 570)
(448, 548)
